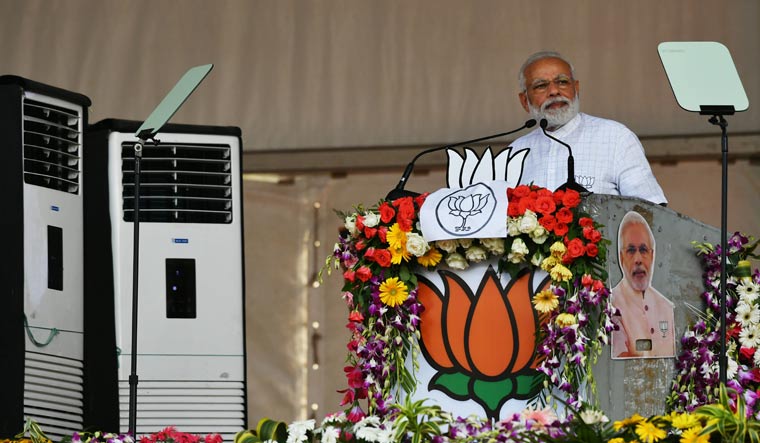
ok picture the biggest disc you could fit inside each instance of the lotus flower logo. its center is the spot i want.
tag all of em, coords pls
(483, 344)
(465, 206)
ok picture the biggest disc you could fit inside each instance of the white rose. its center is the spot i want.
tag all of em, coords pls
(351, 225)
(416, 244)
(537, 259)
(371, 219)
(518, 251)
(528, 222)
(465, 242)
(476, 254)
(494, 245)
(513, 227)
(457, 261)
(447, 245)
(539, 235)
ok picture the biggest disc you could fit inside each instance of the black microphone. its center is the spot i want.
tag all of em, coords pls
(571, 183)
(399, 190)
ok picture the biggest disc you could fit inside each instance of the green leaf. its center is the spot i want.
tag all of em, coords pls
(456, 383)
(528, 385)
(492, 393)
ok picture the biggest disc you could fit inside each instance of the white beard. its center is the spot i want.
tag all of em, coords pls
(556, 117)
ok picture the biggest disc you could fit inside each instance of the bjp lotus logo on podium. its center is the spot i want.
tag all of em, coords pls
(483, 343)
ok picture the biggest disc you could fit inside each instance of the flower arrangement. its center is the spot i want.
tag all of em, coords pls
(382, 247)
(697, 378)
(171, 435)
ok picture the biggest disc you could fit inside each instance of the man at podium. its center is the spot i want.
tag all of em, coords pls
(609, 159)
(646, 317)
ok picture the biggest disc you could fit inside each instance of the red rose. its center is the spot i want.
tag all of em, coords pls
(560, 229)
(360, 222)
(510, 193)
(596, 236)
(592, 250)
(363, 273)
(571, 198)
(513, 210)
(356, 316)
(521, 191)
(575, 248)
(405, 224)
(349, 275)
(548, 222)
(598, 284)
(558, 196)
(564, 215)
(587, 280)
(527, 203)
(370, 232)
(370, 254)
(586, 222)
(386, 212)
(383, 257)
(545, 205)
(543, 192)
(382, 232)
(359, 245)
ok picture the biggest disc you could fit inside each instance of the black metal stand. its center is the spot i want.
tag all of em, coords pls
(722, 358)
(133, 379)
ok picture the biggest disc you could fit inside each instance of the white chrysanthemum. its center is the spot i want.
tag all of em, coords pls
(368, 428)
(747, 314)
(330, 434)
(748, 291)
(593, 416)
(298, 429)
(371, 219)
(749, 337)
(732, 369)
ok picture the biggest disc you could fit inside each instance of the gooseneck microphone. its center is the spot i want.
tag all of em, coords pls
(399, 190)
(571, 183)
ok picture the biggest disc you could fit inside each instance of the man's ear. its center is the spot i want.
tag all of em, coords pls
(524, 101)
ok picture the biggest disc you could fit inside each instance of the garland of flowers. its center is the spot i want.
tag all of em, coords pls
(381, 247)
(698, 372)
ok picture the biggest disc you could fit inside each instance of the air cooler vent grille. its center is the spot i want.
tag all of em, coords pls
(179, 183)
(52, 142)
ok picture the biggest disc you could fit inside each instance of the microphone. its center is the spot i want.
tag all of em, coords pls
(571, 183)
(399, 190)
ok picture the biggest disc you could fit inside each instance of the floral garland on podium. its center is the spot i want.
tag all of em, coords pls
(382, 246)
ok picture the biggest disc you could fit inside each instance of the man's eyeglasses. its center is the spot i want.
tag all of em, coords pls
(562, 82)
(643, 250)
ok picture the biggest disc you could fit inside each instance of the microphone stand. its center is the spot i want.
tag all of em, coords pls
(570, 183)
(399, 190)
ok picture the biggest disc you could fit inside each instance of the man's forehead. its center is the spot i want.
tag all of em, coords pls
(550, 66)
(635, 232)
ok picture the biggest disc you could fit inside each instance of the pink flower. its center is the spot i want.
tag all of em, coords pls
(355, 414)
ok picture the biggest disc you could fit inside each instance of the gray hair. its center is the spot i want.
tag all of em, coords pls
(633, 218)
(536, 57)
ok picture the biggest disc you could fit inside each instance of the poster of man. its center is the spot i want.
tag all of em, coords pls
(646, 321)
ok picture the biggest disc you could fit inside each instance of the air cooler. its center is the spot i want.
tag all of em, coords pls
(41, 332)
(191, 349)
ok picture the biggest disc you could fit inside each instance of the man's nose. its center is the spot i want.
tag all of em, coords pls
(553, 89)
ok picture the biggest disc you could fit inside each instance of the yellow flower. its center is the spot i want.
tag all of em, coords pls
(684, 420)
(558, 249)
(395, 237)
(560, 273)
(393, 292)
(616, 440)
(632, 420)
(549, 263)
(545, 301)
(694, 435)
(398, 254)
(648, 432)
(431, 258)
(565, 319)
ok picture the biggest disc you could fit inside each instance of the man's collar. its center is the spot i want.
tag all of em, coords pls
(568, 127)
